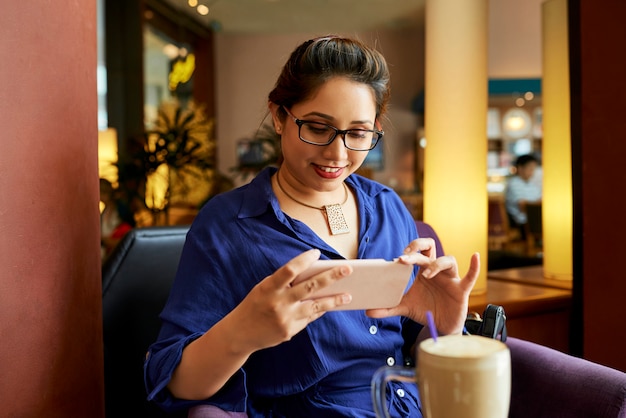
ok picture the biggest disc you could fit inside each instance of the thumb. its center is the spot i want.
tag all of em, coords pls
(384, 312)
(472, 273)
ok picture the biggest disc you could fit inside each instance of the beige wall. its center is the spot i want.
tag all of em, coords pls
(514, 39)
(247, 67)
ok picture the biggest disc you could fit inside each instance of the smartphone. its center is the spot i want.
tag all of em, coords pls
(374, 283)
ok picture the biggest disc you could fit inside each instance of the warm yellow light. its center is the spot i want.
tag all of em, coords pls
(157, 185)
(182, 70)
(192, 3)
(557, 166)
(107, 155)
(515, 123)
(203, 10)
(455, 159)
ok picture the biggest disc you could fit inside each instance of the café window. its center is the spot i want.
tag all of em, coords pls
(177, 63)
(169, 68)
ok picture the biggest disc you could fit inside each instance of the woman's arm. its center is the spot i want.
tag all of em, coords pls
(209, 361)
(273, 312)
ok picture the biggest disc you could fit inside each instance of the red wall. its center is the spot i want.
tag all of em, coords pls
(50, 296)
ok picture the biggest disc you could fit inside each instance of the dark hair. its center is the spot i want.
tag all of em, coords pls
(317, 60)
(522, 160)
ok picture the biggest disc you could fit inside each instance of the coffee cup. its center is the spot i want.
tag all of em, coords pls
(457, 376)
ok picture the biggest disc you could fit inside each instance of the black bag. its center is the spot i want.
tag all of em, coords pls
(491, 325)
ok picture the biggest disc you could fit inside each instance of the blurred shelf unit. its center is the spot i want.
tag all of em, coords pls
(514, 124)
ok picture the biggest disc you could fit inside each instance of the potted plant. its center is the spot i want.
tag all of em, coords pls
(176, 159)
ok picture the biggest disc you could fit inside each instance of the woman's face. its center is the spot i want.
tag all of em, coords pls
(341, 103)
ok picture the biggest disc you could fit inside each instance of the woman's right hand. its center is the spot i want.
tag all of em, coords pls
(275, 309)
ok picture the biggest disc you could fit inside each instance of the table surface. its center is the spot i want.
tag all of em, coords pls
(532, 275)
(520, 299)
(537, 309)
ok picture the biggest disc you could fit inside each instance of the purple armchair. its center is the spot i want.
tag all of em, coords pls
(545, 384)
(549, 384)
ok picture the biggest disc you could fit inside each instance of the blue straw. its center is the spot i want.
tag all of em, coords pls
(431, 325)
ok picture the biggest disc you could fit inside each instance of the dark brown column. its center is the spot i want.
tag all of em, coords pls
(598, 69)
(50, 296)
(124, 62)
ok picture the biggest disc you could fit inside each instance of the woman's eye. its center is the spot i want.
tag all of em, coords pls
(318, 129)
(358, 134)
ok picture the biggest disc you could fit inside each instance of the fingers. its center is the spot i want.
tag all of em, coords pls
(306, 289)
(445, 263)
(425, 246)
(448, 265)
(315, 308)
(286, 274)
(283, 279)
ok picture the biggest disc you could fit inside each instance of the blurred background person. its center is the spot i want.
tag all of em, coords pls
(521, 189)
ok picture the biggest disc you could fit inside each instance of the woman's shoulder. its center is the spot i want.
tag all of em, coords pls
(242, 199)
(377, 196)
(366, 185)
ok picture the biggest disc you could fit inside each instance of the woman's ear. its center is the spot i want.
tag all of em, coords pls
(274, 110)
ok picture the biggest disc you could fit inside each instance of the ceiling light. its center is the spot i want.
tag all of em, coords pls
(203, 10)
(192, 3)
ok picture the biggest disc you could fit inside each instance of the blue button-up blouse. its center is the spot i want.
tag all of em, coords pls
(242, 236)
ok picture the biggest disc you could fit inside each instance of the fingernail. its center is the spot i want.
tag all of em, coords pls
(346, 298)
(407, 250)
(426, 273)
(404, 257)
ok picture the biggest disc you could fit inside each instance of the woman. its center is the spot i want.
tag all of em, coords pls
(236, 333)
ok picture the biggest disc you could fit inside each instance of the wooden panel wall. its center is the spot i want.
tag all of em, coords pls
(598, 80)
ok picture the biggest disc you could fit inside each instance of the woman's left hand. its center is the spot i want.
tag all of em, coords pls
(437, 288)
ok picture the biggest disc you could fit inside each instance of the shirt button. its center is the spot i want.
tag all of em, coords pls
(373, 329)
(391, 361)
(400, 393)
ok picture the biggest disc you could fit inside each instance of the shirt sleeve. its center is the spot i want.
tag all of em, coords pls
(161, 361)
(196, 302)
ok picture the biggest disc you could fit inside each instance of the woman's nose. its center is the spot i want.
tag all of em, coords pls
(336, 150)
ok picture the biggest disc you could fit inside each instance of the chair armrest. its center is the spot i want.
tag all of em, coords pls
(210, 411)
(548, 383)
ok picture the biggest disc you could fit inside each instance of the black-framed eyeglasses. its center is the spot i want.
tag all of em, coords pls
(317, 133)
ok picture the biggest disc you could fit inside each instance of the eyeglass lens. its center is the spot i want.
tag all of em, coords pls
(319, 133)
